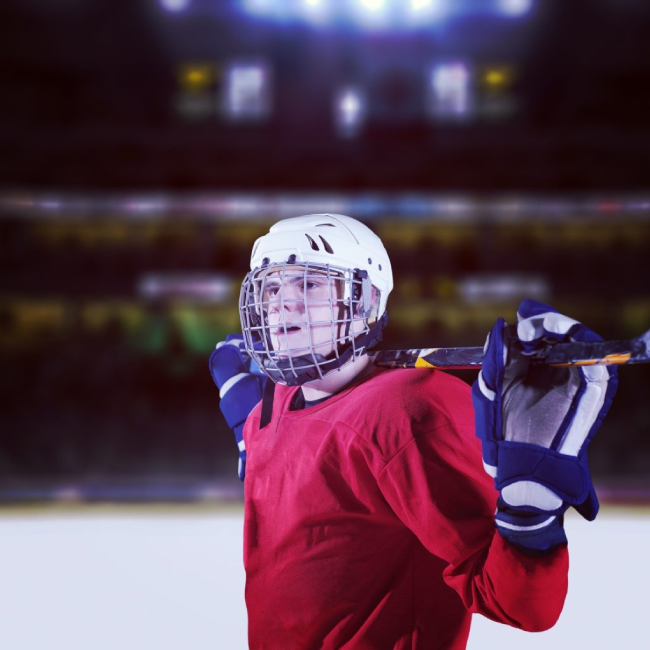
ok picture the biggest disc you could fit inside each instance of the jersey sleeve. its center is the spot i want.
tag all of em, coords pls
(437, 487)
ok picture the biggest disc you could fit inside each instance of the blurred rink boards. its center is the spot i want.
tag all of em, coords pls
(171, 578)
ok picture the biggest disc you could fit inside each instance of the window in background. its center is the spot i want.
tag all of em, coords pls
(247, 91)
(450, 91)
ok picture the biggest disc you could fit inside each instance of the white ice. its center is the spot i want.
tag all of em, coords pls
(172, 579)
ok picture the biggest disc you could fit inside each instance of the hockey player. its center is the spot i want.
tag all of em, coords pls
(369, 518)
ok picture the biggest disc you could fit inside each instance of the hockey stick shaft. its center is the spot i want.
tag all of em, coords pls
(635, 350)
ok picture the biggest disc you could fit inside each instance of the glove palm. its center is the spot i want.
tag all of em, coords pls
(535, 423)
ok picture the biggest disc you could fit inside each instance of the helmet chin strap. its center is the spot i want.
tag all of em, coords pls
(302, 369)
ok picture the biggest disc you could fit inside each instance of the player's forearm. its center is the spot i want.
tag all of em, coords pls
(511, 587)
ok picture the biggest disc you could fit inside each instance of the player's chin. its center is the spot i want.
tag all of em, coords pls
(285, 347)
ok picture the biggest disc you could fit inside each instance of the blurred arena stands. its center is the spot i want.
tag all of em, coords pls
(498, 147)
(108, 318)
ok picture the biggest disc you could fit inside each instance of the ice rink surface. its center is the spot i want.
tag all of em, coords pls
(171, 578)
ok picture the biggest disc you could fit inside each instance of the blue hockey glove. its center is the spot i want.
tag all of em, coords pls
(535, 423)
(241, 384)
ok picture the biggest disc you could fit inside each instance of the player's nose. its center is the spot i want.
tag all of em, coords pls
(291, 297)
(288, 298)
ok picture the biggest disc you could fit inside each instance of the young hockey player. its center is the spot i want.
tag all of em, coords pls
(369, 518)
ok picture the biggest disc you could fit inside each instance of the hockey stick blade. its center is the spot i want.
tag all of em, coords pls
(597, 353)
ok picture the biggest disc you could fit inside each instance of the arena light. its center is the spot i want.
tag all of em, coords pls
(174, 5)
(425, 7)
(315, 10)
(196, 76)
(311, 6)
(495, 78)
(422, 6)
(373, 5)
(370, 13)
(260, 7)
(384, 14)
(421, 12)
(515, 7)
(349, 111)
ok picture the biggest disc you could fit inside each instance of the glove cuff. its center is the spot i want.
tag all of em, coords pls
(530, 531)
(564, 475)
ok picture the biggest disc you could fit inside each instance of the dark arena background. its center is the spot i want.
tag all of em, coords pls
(500, 149)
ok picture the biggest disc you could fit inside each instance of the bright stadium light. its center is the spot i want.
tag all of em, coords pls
(373, 5)
(373, 14)
(515, 7)
(421, 11)
(370, 14)
(260, 7)
(423, 6)
(349, 112)
(314, 10)
(175, 5)
(350, 106)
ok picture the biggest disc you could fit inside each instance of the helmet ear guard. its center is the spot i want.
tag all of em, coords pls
(362, 293)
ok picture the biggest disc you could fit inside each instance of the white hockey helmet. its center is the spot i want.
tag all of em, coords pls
(341, 248)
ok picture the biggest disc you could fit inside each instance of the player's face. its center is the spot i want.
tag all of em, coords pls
(301, 310)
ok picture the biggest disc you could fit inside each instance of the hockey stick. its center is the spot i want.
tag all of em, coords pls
(636, 350)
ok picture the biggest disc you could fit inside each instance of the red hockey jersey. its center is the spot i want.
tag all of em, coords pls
(369, 523)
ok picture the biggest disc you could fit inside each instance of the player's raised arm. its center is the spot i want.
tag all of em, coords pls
(535, 423)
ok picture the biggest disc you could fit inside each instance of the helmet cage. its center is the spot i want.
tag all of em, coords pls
(353, 305)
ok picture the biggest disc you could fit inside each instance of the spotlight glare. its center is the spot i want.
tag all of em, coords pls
(350, 111)
(421, 5)
(515, 7)
(371, 14)
(421, 11)
(373, 5)
(314, 10)
(350, 107)
(174, 5)
(259, 7)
